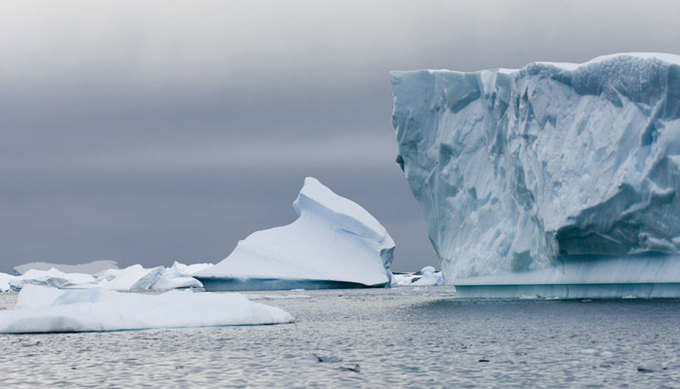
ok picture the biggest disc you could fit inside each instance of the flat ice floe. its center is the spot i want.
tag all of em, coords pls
(549, 172)
(42, 309)
(334, 243)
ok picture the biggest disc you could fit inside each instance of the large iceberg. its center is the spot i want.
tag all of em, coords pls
(334, 243)
(555, 166)
(44, 309)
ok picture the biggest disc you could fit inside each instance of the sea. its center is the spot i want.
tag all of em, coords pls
(416, 337)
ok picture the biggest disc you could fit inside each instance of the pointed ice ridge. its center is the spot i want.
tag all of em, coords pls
(333, 243)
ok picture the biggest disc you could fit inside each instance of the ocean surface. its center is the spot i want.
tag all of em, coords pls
(402, 337)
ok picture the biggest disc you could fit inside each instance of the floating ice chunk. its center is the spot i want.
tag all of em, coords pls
(427, 276)
(430, 277)
(334, 243)
(189, 270)
(6, 281)
(42, 309)
(403, 279)
(523, 170)
(137, 278)
(122, 279)
(86, 268)
(53, 277)
(179, 276)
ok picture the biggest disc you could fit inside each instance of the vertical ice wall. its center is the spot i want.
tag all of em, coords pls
(554, 163)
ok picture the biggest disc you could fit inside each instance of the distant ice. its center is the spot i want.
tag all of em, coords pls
(42, 309)
(333, 243)
(53, 277)
(131, 278)
(427, 276)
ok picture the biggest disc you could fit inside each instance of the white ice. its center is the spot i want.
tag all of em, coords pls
(43, 309)
(86, 268)
(131, 278)
(52, 277)
(333, 239)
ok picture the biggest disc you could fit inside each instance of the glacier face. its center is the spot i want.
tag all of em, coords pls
(554, 163)
(334, 243)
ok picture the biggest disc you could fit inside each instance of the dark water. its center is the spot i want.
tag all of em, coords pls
(403, 337)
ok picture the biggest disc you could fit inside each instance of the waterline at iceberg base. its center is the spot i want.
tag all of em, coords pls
(554, 180)
(626, 277)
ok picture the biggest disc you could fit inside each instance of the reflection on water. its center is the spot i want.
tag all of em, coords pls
(372, 338)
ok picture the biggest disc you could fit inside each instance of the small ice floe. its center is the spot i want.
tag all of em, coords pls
(427, 276)
(131, 278)
(42, 309)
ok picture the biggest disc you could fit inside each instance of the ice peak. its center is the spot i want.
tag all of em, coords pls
(324, 202)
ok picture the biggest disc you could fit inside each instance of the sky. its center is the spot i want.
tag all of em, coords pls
(151, 131)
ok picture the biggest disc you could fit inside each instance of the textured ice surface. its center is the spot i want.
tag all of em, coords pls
(548, 165)
(131, 278)
(5, 282)
(87, 268)
(44, 309)
(333, 243)
(427, 276)
(54, 278)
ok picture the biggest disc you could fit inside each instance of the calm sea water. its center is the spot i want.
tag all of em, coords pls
(406, 337)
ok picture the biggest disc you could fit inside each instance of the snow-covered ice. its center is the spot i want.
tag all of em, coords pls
(427, 276)
(333, 243)
(86, 268)
(131, 278)
(52, 277)
(546, 166)
(44, 309)
(6, 282)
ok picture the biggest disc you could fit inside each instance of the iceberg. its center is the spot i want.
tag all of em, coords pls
(138, 278)
(334, 243)
(86, 268)
(549, 173)
(54, 278)
(42, 309)
(6, 281)
(427, 276)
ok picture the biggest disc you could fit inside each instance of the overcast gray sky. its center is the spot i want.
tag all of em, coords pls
(148, 131)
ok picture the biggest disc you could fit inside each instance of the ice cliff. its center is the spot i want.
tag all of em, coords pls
(334, 243)
(544, 166)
